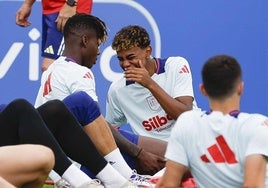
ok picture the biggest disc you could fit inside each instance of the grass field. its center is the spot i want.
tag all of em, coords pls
(48, 186)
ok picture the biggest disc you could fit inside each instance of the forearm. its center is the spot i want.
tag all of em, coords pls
(254, 171)
(173, 107)
(124, 144)
(172, 176)
(29, 2)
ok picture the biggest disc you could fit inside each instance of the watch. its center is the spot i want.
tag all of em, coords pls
(71, 3)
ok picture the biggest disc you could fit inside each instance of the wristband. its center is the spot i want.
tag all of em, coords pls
(71, 3)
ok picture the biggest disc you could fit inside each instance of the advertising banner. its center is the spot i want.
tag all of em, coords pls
(195, 30)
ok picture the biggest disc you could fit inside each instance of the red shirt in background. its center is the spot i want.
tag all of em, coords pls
(54, 6)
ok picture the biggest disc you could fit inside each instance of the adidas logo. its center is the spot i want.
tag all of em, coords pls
(220, 152)
(87, 75)
(184, 69)
(49, 50)
(112, 162)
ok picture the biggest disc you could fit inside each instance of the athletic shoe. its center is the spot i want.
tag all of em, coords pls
(95, 183)
(129, 184)
(141, 181)
(160, 173)
(156, 177)
(62, 184)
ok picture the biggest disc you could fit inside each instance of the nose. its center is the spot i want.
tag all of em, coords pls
(125, 63)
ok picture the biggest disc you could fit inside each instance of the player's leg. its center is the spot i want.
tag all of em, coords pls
(5, 183)
(70, 135)
(26, 165)
(76, 143)
(155, 146)
(87, 112)
(132, 138)
(148, 145)
(52, 40)
(158, 147)
(20, 123)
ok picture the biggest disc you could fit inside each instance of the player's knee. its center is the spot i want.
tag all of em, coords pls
(20, 102)
(20, 105)
(5, 183)
(45, 158)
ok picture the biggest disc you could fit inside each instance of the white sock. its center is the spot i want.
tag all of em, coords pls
(54, 176)
(160, 173)
(117, 161)
(75, 176)
(110, 177)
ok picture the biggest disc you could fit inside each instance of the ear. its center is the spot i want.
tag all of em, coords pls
(240, 88)
(202, 89)
(84, 40)
(148, 50)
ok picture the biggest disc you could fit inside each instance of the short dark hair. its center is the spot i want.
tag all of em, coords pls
(82, 21)
(131, 36)
(220, 74)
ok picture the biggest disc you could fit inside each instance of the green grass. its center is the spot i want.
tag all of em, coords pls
(48, 186)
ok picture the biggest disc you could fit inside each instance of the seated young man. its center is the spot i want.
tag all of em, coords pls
(223, 147)
(71, 73)
(54, 126)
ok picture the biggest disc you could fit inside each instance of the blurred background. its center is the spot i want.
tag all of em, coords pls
(195, 30)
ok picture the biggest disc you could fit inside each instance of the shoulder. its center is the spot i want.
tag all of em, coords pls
(253, 117)
(60, 63)
(174, 63)
(177, 60)
(192, 114)
(66, 65)
(190, 118)
(188, 124)
(117, 84)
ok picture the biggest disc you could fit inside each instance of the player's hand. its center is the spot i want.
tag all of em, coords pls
(138, 74)
(149, 163)
(23, 14)
(65, 13)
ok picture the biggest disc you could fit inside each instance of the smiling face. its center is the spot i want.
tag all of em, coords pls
(132, 43)
(130, 57)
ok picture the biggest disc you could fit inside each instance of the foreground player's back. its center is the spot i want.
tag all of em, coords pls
(217, 145)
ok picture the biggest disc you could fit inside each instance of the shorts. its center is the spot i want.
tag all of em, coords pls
(83, 107)
(86, 110)
(52, 38)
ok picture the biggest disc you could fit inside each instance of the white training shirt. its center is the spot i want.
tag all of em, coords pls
(64, 77)
(214, 145)
(132, 103)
